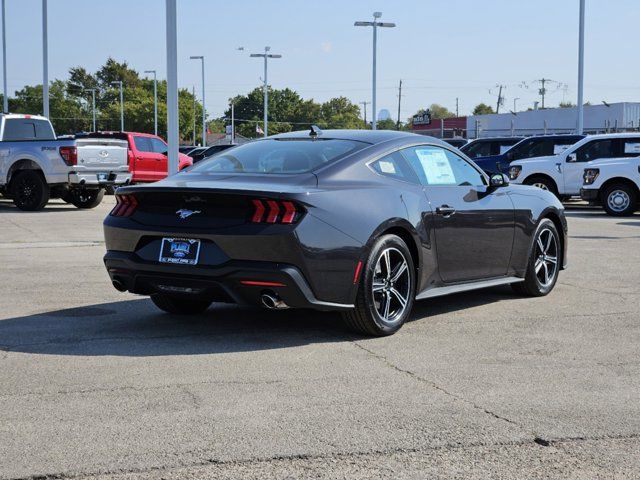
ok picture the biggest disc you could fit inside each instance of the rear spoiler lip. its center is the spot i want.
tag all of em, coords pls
(296, 194)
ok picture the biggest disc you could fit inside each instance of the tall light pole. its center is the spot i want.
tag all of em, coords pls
(266, 55)
(155, 100)
(119, 83)
(375, 24)
(515, 100)
(45, 61)
(580, 123)
(172, 87)
(5, 100)
(193, 94)
(204, 115)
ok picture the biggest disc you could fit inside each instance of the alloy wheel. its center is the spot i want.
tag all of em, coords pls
(546, 255)
(26, 191)
(391, 285)
(618, 200)
(541, 185)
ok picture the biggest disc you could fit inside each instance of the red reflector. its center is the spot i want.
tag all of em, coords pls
(289, 212)
(259, 212)
(260, 283)
(356, 275)
(274, 210)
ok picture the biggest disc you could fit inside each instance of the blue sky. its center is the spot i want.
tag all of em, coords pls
(440, 49)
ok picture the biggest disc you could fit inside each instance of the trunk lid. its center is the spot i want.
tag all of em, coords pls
(102, 153)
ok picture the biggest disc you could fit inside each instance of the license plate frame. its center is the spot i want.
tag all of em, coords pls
(179, 251)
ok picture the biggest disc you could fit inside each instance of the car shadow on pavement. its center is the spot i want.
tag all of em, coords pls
(8, 206)
(135, 328)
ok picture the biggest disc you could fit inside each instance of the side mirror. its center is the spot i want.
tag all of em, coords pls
(498, 180)
(572, 157)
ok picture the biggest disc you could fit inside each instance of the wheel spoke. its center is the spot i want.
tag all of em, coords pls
(546, 273)
(540, 244)
(548, 245)
(553, 260)
(387, 263)
(387, 304)
(399, 271)
(398, 295)
(378, 286)
(538, 265)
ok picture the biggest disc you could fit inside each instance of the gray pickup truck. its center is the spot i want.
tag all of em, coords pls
(35, 165)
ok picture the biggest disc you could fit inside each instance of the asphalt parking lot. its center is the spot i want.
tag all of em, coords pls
(483, 384)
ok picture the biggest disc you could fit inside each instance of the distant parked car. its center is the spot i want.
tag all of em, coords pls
(185, 149)
(562, 174)
(487, 147)
(196, 151)
(208, 151)
(540, 146)
(35, 165)
(147, 155)
(456, 142)
(614, 184)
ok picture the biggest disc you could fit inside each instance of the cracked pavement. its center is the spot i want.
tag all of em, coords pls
(99, 384)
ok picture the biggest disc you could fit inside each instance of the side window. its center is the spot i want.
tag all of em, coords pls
(143, 144)
(19, 129)
(596, 149)
(439, 166)
(394, 166)
(158, 146)
(560, 146)
(539, 149)
(44, 131)
(631, 147)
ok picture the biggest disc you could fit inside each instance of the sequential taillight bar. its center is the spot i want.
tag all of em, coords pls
(125, 206)
(275, 211)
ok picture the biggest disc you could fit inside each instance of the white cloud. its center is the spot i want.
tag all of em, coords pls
(326, 47)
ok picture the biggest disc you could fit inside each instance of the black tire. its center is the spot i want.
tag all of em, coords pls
(535, 284)
(29, 190)
(179, 306)
(620, 200)
(85, 198)
(544, 183)
(365, 317)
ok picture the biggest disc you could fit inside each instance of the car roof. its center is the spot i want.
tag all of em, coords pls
(366, 136)
(496, 139)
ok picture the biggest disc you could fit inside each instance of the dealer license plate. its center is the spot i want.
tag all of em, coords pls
(182, 251)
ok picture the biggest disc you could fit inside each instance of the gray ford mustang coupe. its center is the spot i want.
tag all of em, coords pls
(363, 222)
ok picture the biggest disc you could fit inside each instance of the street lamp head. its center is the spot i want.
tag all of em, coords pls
(196, 57)
(240, 48)
(117, 82)
(149, 71)
(266, 49)
(377, 14)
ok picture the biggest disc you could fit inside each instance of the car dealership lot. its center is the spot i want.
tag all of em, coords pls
(99, 382)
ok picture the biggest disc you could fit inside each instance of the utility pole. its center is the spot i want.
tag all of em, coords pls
(542, 91)
(233, 123)
(375, 24)
(119, 83)
(5, 99)
(155, 100)
(173, 135)
(266, 55)
(515, 100)
(457, 108)
(204, 115)
(399, 100)
(580, 122)
(45, 62)
(193, 92)
(93, 105)
(364, 104)
(500, 100)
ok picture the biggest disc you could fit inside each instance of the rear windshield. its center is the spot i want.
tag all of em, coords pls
(280, 156)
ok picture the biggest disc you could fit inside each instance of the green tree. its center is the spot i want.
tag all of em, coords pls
(566, 105)
(386, 124)
(438, 111)
(482, 109)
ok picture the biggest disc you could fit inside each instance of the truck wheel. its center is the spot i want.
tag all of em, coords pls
(86, 198)
(542, 182)
(29, 190)
(620, 200)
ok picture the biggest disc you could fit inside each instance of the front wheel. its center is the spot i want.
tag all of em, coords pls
(619, 200)
(543, 183)
(386, 289)
(544, 262)
(84, 198)
(179, 306)
(29, 190)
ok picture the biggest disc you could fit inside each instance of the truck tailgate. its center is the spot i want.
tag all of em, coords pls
(102, 154)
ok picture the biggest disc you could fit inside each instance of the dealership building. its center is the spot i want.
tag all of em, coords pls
(603, 118)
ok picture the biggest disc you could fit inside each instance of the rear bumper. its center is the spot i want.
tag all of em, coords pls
(589, 194)
(222, 283)
(91, 178)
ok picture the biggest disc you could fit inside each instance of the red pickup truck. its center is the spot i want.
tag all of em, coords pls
(147, 155)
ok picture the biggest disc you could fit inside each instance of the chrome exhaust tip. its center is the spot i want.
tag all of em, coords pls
(273, 302)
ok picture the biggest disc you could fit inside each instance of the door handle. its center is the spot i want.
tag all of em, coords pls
(445, 210)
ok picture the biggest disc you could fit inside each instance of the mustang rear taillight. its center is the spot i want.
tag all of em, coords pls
(125, 206)
(69, 155)
(275, 211)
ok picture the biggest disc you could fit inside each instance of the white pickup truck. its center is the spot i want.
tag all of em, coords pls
(562, 173)
(614, 185)
(35, 165)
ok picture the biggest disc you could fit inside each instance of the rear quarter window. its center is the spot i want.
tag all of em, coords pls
(17, 129)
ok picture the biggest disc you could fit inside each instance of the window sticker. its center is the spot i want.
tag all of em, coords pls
(504, 148)
(631, 147)
(436, 166)
(557, 149)
(387, 167)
